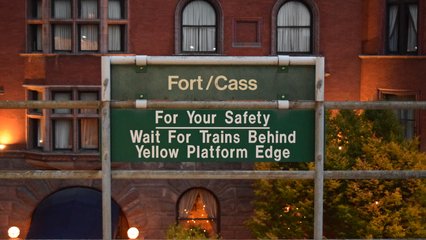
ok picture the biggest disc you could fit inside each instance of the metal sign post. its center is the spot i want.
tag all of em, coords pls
(319, 150)
(220, 134)
(105, 151)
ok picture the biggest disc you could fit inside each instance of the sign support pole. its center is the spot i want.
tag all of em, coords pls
(105, 151)
(319, 149)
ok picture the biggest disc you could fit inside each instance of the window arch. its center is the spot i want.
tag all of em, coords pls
(75, 213)
(198, 27)
(295, 23)
(198, 207)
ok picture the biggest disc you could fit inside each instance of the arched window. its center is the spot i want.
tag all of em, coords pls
(198, 207)
(199, 28)
(294, 28)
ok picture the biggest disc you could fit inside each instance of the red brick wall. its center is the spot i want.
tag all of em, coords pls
(73, 70)
(12, 42)
(340, 43)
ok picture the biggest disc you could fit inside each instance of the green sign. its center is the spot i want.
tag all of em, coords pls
(212, 135)
(201, 83)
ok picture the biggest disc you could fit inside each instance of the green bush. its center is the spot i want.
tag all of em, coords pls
(178, 232)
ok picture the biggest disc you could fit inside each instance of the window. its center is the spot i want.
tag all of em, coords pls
(61, 9)
(35, 121)
(116, 26)
(116, 9)
(62, 32)
(115, 38)
(73, 26)
(88, 35)
(75, 130)
(88, 9)
(62, 37)
(198, 27)
(198, 207)
(402, 26)
(407, 117)
(34, 9)
(294, 28)
(35, 37)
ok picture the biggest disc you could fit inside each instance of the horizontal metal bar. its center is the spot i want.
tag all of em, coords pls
(376, 105)
(375, 174)
(48, 104)
(50, 174)
(213, 60)
(158, 104)
(163, 104)
(200, 174)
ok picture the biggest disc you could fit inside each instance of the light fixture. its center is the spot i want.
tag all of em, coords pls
(13, 232)
(132, 233)
(2, 146)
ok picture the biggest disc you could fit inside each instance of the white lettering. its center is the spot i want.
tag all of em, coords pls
(167, 118)
(198, 118)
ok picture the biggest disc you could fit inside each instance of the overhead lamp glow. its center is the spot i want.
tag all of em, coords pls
(13, 232)
(132, 233)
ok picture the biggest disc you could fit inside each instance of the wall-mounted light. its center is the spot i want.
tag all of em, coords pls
(13, 232)
(132, 233)
(2, 146)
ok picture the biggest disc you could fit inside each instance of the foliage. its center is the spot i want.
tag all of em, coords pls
(352, 208)
(179, 232)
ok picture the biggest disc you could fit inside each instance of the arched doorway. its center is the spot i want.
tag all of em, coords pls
(74, 213)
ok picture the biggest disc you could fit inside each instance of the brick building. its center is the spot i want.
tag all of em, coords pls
(52, 49)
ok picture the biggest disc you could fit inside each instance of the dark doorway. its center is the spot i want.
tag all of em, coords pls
(74, 213)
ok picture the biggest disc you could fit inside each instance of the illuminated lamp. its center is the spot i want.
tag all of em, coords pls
(132, 233)
(2, 146)
(13, 232)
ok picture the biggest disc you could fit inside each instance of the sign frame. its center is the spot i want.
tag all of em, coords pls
(282, 61)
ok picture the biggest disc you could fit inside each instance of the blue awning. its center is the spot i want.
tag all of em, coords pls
(73, 213)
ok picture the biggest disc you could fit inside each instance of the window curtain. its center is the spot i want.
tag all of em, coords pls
(210, 203)
(114, 9)
(412, 28)
(37, 9)
(36, 44)
(199, 27)
(114, 38)
(89, 37)
(62, 127)
(294, 28)
(89, 129)
(39, 133)
(62, 9)
(89, 9)
(62, 96)
(63, 133)
(89, 133)
(62, 37)
(187, 202)
(393, 28)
